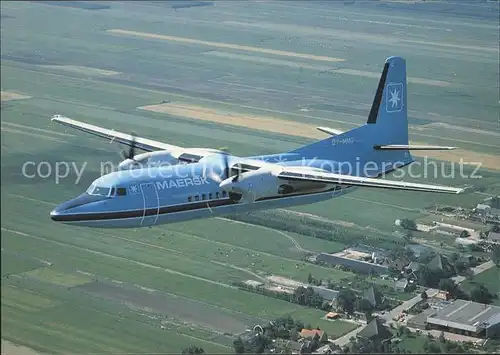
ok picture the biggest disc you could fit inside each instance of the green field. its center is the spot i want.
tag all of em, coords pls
(59, 283)
(489, 279)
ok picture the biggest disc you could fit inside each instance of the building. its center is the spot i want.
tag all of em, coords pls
(375, 330)
(412, 270)
(373, 296)
(333, 315)
(326, 293)
(443, 295)
(466, 317)
(483, 209)
(358, 265)
(441, 262)
(399, 264)
(313, 333)
(466, 241)
(402, 285)
(325, 349)
(253, 283)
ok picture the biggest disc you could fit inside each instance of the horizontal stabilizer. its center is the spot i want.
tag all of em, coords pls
(327, 130)
(411, 147)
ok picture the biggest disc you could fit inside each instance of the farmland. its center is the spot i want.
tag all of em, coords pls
(161, 289)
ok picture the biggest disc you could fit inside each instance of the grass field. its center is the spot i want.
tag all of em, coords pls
(162, 289)
(489, 279)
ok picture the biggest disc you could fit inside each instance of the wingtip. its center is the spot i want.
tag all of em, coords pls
(461, 191)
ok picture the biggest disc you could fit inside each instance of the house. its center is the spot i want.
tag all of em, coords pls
(412, 270)
(441, 262)
(398, 264)
(483, 209)
(294, 347)
(325, 349)
(373, 296)
(443, 295)
(360, 266)
(326, 293)
(375, 330)
(332, 315)
(313, 333)
(401, 285)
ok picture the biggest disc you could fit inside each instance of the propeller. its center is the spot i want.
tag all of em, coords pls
(227, 170)
(131, 151)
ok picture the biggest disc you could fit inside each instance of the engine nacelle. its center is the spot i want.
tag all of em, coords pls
(148, 160)
(261, 183)
(257, 184)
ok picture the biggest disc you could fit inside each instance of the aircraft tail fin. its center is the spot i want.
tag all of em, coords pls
(387, 125)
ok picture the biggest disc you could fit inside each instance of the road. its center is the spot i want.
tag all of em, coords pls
(388, 316)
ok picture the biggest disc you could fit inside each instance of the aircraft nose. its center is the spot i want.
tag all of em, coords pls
(68, 208)
(54, 215)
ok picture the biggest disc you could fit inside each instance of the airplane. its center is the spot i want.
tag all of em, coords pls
(171, 184)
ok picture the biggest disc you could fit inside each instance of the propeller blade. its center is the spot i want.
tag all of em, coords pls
(131, 152)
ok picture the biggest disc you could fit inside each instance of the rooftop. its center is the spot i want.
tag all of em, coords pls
(375, 328)
(465, 315)
(305, 333)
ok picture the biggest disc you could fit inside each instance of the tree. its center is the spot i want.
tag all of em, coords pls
(239, 346)
(442, 339)
(366, 307)
(429, 277)
(408, 237)
(310, 279)
(408, 224)
(481, 294)
(193, 350)
(424, 296)
(495, 255)
(346, 299)
(465, 234)
(448, 285)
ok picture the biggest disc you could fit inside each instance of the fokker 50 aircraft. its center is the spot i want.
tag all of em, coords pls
(171, 183)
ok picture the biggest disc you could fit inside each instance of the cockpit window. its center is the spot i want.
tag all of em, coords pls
(121, 191)
(98, 190)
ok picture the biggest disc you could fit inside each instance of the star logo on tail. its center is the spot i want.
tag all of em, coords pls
(394, 97)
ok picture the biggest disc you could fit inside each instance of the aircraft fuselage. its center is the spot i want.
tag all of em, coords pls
(159, 195)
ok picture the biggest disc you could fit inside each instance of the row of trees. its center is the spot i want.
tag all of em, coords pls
(305, 296)
(193, 350)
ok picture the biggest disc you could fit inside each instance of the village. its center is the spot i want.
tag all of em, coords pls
(422, 290)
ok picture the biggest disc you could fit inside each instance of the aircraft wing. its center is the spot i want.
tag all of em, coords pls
(114, 136)
(313, 175)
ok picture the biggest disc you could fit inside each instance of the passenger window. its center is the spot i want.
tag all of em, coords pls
(190, 199)
(224, 193)
(112, 192)
(217, 194)
(197, 198)
(121, 191)
(210, 196)
(203, 197)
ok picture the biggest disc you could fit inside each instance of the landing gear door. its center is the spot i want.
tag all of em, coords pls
(151, 204)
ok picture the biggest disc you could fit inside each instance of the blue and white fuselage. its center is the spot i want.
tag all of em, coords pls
(171, 184)
(160, 195)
